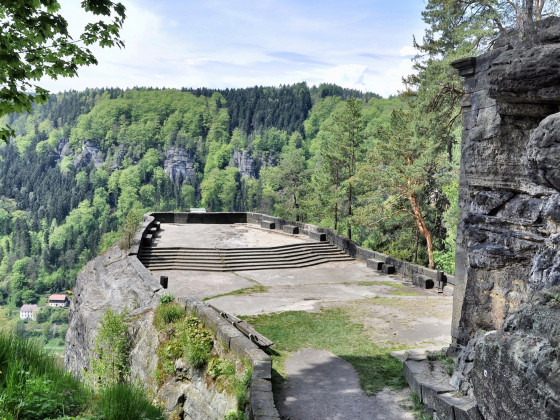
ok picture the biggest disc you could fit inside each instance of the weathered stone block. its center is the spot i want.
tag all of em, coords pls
(293, 230)
(240, 345)
(411, 369)
(267, 224)
(422, 281)
(318, 236)
(147, 240)
(375, 264)
(388, 269)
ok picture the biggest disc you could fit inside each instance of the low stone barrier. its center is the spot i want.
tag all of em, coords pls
(261, 401)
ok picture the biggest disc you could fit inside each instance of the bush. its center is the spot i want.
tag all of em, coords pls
(126, 402)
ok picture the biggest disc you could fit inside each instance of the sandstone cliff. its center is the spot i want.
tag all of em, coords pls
(508, 242)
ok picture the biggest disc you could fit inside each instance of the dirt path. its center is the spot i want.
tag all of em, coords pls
(322, 386)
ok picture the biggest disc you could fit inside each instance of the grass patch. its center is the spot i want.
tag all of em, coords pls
(332, 330)
(366, 283)
(390, 284)
(123, 401)
(403, 293)
(246, 291)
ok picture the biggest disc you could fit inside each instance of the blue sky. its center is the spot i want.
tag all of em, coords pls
(365, 45)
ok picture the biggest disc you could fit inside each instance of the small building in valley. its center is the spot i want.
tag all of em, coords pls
(58, 301)
(28, 311)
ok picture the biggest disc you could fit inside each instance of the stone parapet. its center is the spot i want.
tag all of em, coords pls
(261, 401)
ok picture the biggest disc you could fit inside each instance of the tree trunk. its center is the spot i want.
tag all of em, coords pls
(423, 228)
(527, 15)
(336, 216)
(349, 211)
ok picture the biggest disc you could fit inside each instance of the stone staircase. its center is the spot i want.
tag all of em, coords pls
(240, 259)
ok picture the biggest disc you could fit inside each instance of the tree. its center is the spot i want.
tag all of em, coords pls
(290, 176)
(110, 359)
(34, 42)
(398, 168)
(348, 135)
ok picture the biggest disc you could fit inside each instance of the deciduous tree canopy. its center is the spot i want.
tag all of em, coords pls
(35, 42)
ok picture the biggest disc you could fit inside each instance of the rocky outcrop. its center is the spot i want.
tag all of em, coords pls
(250, 163)
(244, 161)
(90, 154)
(510, 179)
(516, 372)
(506, 312)
(116, 281)
(179, 164)
(63, 149)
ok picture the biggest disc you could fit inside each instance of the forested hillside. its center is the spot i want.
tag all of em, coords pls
(85, 165)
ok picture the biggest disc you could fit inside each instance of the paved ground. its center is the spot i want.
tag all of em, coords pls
(320, 385)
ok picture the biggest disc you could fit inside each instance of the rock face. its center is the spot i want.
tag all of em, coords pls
(179, 164)
(250, 164)
(516, 371)
(508, 242)
(113, 280)
(243, 160)
(510, 179)
(90, 153)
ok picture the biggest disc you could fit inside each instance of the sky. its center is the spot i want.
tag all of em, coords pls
(364, 45)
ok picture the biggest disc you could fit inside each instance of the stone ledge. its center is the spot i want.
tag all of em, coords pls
(431, 384)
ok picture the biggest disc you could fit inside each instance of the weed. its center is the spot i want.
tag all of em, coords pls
(168, 313)
(32, 385)
(166, 298)
(235, 415)
(447, 362)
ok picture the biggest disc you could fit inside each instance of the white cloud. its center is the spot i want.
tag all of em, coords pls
(347, 75)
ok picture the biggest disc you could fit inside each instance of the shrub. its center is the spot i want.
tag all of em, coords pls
(110, 360)
(168, 313)
(126, 402)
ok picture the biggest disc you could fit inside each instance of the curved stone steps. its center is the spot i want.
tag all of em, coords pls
(240, 259)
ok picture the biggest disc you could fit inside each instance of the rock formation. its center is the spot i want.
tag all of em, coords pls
(90, 153)
(179, 164)
(115, 281)
(508, 242)
(250, 164)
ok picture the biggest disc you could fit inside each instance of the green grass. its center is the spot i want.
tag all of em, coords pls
(403, 293)
(126, 402)
(332, 330)
(390, 284)
(32, 385)
(246, 291)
